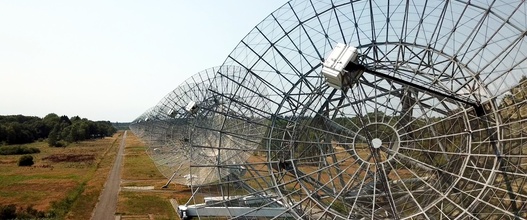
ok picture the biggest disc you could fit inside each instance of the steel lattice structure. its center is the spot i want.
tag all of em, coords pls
(167, 128)
(427, 123)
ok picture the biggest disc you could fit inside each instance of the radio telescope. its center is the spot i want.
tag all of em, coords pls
(389, 109)
(169, 127)
(228, 134)
(139, 125)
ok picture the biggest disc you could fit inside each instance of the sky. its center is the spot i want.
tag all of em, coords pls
(112, 60)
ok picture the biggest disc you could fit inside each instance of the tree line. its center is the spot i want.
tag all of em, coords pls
(57, 130)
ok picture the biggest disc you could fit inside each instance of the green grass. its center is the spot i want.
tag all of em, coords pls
(140, 170)
(142, 203)
(137, 164)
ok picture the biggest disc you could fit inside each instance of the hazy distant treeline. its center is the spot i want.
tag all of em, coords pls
(57, 130)
(121, 125)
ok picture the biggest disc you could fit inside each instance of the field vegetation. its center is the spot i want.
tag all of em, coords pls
(66, 182)
(140, 171)
(62, 182)
(17, 150)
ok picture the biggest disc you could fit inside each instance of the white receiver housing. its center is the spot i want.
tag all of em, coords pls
(334, 67)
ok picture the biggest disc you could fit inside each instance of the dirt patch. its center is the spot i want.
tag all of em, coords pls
(56, 158)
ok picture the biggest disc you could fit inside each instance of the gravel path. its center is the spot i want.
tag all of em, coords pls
(105, 208)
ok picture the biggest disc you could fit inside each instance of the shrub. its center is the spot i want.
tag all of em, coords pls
(30, 213)
(12, 212)
(17, 150)
(8, 212)
(26, 160)
(60, 143)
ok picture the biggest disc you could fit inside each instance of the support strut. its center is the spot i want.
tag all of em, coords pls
(353, 67)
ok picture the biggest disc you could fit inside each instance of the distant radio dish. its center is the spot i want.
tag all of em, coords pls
(192, 126)
(168, 135)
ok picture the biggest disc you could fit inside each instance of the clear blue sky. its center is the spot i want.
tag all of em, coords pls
(112, 60)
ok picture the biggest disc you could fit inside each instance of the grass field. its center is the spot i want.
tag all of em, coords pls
(62, 180)
(68, 181)
(140, 171)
